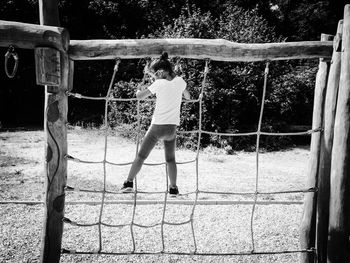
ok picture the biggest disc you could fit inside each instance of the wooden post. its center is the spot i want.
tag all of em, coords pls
(48, 13)
(339, 211)
(308, 223)
(322, 215)
(55, 120)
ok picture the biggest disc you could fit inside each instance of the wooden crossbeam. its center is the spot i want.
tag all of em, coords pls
(214, 49)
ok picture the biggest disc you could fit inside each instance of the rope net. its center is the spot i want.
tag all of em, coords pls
(196, 201)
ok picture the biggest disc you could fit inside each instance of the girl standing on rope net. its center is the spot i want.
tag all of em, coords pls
(168, 89)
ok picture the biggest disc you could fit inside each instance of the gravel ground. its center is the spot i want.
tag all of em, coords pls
(218, 229)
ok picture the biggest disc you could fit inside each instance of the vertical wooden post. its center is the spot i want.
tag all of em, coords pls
(308, 223)
(322, 215)
(55, 119)
(48, 13)
(339, 212)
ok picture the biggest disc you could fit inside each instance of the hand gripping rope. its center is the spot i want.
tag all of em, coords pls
(135, 202)
(11, 54)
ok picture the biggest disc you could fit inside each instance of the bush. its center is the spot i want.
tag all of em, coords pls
(233, 91)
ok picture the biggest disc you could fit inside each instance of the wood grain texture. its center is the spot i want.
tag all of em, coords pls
(339, 212)
(55, 119)
(30, 36)
(214, 49)
(322, 215)
(47, 66)
(308, 223)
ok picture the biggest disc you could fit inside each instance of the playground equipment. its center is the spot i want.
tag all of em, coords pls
(324, 228)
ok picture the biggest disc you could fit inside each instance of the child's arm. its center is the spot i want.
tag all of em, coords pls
(186, 94)
(142, 94)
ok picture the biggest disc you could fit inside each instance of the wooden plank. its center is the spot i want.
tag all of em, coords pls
(322, 215)
(47, 66)
(214, 49)
(55, 119)
(308, 223)
(30, 36)
(339, 212)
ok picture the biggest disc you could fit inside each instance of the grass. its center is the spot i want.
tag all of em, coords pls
(218, 229)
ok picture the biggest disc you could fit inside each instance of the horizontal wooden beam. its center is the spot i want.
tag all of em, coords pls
(214, 49)
(30, 36)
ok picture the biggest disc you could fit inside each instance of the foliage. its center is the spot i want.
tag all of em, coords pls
(232, 96)
(126, 112)
(233, 92)
(306, 19)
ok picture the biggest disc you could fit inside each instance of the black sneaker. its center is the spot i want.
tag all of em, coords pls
(127, 187)
(173, 191)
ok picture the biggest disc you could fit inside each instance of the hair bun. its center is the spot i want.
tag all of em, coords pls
(164, 56)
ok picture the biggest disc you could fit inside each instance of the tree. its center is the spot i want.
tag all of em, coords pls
(232, 97)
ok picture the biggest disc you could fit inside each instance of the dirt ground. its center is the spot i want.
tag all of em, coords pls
(218, 228)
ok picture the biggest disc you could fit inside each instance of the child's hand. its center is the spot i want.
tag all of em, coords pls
(140, 88)
(186, 94)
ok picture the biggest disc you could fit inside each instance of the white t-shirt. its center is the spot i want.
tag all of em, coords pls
(169, 96)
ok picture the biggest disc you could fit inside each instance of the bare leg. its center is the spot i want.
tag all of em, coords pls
(147, 145)
(172, 172)
(169, 147)
(135, 168)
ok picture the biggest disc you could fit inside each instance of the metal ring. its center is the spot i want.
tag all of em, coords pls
(11, 53)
